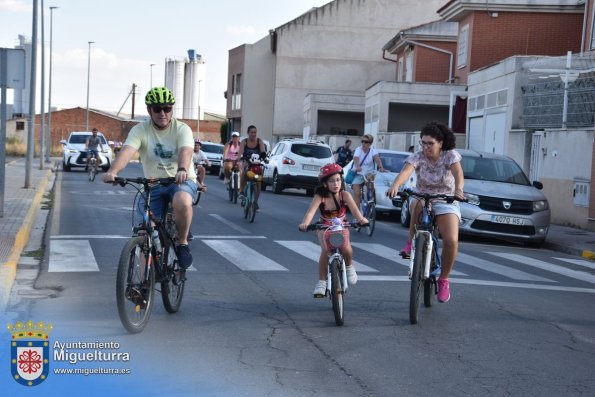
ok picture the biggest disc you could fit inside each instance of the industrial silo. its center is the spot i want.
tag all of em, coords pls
(174, 80)
(193, 86)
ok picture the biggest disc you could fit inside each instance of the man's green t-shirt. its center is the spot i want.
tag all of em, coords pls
(158, 149)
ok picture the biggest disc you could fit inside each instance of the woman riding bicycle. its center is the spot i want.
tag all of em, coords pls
(231, 153)
(438, 169)
(332, 200)
(364, 159)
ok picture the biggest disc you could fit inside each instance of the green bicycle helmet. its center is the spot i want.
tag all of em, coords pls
(159, 96)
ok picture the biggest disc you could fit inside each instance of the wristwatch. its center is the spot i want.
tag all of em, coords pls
(181, 169)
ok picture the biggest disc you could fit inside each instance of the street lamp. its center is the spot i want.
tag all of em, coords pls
(151, 65)
(88, 79)
(49, 129)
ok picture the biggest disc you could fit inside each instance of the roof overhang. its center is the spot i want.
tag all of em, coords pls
(455, 10)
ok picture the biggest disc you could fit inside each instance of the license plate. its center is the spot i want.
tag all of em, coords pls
(509, 220)
(308, 167)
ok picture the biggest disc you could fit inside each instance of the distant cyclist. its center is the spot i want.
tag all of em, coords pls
(198, 159)
(165, 148)
(91, 145)
(231, 153)
(248, 147)
(344, 153)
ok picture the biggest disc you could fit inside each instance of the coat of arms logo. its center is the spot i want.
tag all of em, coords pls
(29, 352)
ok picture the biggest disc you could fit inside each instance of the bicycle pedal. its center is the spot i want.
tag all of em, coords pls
(318, 296)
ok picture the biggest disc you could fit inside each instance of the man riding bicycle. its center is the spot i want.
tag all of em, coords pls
(91, 145)
(165, 147)
(198, 159)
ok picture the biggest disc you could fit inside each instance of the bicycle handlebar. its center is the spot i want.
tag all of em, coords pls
(143, 181)
(323, 226)
(426, 196)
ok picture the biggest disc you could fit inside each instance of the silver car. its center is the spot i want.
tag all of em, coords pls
(503, 203)
(392, 161)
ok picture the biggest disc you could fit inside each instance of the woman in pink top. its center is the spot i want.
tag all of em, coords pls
(230, 154)
(438, 169)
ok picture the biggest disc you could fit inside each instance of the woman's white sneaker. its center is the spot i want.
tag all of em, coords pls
(320, 289)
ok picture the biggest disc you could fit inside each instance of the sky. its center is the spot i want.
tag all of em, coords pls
(130, 35)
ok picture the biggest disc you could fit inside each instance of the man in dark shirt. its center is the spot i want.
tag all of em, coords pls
(344, 153)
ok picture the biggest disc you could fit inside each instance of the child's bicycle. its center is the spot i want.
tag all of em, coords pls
(424, 263)
(93, 166)
(149, 257)
(336, 283)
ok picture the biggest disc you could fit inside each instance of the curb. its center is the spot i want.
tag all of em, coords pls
(8, 270)
(569, 250)
(588, 255)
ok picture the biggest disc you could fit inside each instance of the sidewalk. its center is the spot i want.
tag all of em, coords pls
(22, 205)
(20, 208)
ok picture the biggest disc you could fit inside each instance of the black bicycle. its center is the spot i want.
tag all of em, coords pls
(233, 185)
(424, 262)
(149, 257)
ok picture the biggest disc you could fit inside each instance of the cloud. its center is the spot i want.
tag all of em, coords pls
(241, 30)
(15, 6)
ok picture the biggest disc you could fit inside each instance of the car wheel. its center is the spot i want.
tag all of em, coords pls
(277, 187)
(405, 215)
(65, 167)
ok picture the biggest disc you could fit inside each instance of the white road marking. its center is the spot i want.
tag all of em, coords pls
(391, 254)
(230, 224)
(366, 277)
(580, 262)
(72, 256)
(243, 256)
(583, 276)
(505, 271)
(312, 251)
(228, 237)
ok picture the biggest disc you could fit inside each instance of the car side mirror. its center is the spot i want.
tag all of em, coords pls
(538, 185)
(63, 141)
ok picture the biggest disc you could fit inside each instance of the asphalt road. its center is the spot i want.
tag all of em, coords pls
(520, 321)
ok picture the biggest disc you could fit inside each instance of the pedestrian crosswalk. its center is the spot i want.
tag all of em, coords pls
(254, 254)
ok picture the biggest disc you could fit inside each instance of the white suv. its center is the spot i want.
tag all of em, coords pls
(295, 163)
(75, 155)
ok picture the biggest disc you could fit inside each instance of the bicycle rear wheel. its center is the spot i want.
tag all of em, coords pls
(134, 287)
(371, 217)
(337, 292)
(416, 278)
(172, 287)
(430, 283)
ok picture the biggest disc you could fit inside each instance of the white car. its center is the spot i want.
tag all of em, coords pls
(295, 163)
(74, 153)
(214, 152)
(392, 161)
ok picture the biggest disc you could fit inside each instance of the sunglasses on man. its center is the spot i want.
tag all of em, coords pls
(158, 109)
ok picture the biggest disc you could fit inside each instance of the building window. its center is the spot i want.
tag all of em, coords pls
(463, 45)
(409, 67)
(20, 125)
(400, 70)
(236, 92)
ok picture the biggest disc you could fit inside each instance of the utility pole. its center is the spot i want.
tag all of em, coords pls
(133, 96)
(32, 87)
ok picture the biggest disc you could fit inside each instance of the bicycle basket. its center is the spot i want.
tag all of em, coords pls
(336, 239)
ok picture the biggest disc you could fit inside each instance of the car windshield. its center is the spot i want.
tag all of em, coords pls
(205, 147)
(497, 170)
(309, 150)
(78, 139)
(393, 161)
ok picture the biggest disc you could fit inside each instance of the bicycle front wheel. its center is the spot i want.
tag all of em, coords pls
(196, 197)
(92, 173)
(135, 284)
(337, 292)
(371, 218)
(430, 283)
(416, 277)
(172, 287)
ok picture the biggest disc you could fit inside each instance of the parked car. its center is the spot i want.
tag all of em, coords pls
(503, 203)
(392, 160)
(74, 153)
(295, 163)
(214, 152)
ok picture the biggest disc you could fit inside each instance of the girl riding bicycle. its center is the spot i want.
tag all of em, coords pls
(438, 169)
(332, 200)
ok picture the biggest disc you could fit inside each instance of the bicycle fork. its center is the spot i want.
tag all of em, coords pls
(331, 261)
(428, 257)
